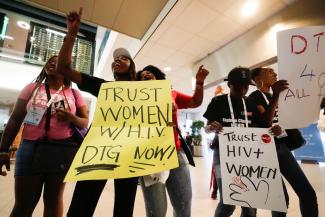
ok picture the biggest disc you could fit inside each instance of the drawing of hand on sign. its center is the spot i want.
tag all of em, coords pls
(246, 191)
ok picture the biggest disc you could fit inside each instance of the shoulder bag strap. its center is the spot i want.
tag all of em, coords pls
(48, 111)
(185, 148)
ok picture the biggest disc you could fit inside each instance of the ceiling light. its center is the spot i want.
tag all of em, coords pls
(55, 32)
(11, 57)
(249, 8)
(61, 33)
(274, 30)
(167, 69)
(23, 24)
(278, 27)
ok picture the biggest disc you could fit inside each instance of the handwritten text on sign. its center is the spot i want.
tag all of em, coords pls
(129, 135)
(301, 61)
(249, 169)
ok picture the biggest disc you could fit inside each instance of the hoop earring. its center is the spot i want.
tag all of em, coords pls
(260, 84)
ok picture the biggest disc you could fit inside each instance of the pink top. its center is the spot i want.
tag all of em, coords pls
(58, 129)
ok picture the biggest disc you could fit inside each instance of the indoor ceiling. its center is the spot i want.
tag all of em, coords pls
(195, 28)
(131, 17)
(191, 30)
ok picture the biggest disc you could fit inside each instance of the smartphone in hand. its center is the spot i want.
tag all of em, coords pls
(59, 104)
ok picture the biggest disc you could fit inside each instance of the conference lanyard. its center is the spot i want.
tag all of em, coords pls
(35, 113)
(232, 111)
(53, 97)
(283, 133)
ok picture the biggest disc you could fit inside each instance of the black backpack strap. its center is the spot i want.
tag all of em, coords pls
(48, 111)
(185, 148)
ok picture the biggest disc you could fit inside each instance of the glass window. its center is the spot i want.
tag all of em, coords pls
(33, 41)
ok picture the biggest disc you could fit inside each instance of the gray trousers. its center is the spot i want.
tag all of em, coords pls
(179, 190)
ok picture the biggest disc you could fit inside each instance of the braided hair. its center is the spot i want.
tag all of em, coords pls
(43, 76)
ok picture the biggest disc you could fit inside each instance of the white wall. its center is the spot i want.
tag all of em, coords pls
(16, 75)
(259, 43)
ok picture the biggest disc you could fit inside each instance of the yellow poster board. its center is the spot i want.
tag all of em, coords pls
(130, 135)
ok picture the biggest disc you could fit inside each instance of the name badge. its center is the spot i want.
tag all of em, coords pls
(34, 115)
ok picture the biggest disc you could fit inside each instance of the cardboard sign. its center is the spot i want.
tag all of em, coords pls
(250, 170)
(300, 60)
(129, 135)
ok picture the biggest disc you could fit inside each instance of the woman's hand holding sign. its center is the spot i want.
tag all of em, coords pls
(276, 130)
(214, 127)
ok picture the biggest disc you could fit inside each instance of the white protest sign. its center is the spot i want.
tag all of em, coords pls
(301, 55)
(250, 170)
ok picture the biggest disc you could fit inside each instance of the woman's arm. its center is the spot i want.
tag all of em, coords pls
(213, 127)
(13, 125)
(64, 59)
(269, 112)
(80, 119)
(197, 97)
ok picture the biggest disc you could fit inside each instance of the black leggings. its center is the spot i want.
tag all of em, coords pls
(86, 195)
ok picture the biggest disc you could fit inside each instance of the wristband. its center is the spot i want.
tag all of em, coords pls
(4, 154)
(72, 37)
(199, 83)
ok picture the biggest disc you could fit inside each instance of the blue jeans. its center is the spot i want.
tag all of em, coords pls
(292, 172)
(179, 190)
(226, 210)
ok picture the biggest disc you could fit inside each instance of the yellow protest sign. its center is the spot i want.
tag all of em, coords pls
(129, 135)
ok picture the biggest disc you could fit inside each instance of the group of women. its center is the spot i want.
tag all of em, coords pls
(41, 119)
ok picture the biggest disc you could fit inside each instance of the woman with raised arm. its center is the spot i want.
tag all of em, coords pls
(87, 193)
(178, 183)
(267, 103)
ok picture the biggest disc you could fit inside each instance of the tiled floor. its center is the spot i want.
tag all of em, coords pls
(202, 205)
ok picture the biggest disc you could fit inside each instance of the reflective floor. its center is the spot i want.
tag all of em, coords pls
(202, 205)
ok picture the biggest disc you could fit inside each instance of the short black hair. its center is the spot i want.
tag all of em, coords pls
(154, 70)
(256, 72)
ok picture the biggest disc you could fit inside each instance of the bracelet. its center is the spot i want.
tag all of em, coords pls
(72, 37)
(4, 154)
(200, 83)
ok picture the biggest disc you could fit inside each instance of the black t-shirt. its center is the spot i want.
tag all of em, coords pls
(218, 110)
(90, 84)
(257, 98)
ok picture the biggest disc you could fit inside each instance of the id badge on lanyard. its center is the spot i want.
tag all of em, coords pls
(232, 112)
(34, 115)
(36, 112)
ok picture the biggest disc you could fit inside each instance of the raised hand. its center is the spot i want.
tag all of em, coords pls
(73, 22)
(276, 130)
(215, 127)
(201, 74)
